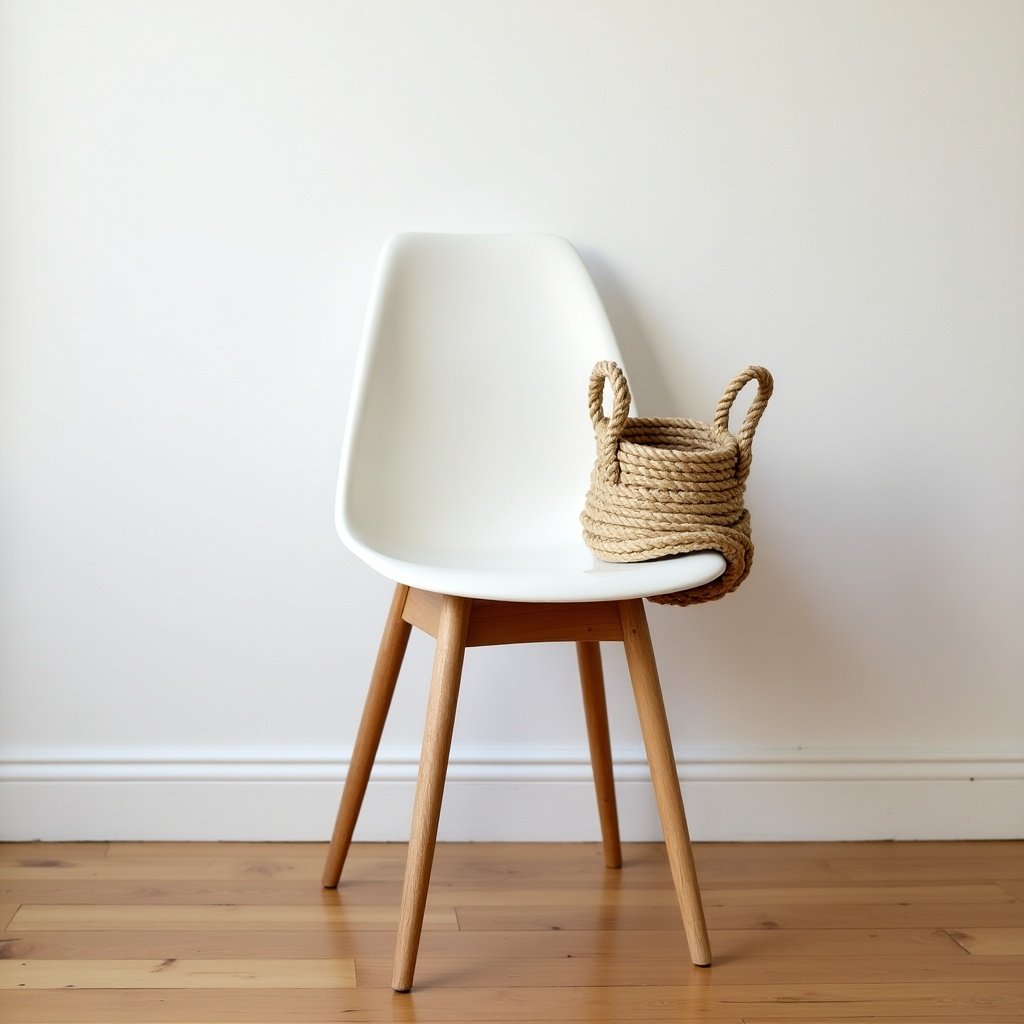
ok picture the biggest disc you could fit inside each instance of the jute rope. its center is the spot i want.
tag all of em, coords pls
(664, 487)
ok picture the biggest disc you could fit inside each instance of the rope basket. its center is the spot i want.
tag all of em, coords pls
(664, 487)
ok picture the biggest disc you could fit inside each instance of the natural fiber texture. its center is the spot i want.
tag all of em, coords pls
(664, 487)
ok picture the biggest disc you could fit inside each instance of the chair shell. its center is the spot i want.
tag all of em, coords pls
(469, 446)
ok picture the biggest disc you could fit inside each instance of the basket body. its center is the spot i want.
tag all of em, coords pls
(666, 487)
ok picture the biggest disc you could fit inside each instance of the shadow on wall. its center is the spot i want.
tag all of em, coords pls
(645, 378)
(768, 660)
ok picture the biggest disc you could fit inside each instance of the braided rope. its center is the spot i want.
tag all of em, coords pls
(665, 487)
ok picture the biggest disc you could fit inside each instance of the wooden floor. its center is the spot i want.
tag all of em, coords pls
(855, 932)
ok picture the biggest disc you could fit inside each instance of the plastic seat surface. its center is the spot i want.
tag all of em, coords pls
(469, 448)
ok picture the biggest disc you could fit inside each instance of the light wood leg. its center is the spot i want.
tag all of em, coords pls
(588, 655)
(437, 739)
(375, 713)
(654, 724)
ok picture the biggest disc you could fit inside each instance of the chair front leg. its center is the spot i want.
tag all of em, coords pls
(650, 707)
(437, 740)
(375, 713)
(588, 656)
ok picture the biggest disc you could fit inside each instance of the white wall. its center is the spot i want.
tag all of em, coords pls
(193, 197)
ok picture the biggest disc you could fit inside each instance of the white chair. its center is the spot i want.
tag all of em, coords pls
(466, 461)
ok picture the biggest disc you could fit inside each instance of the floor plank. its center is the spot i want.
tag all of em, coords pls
(828, 896)
(167, 868)
(992, 941)
(156, 891)
(229, 851)
(176, 974)
(814, 895)
(961, 916)
(878, 850)
(331, 940)
(218, 917)
(932, 870)
(41, 854)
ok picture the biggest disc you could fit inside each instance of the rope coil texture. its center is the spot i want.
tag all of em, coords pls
(664, 487)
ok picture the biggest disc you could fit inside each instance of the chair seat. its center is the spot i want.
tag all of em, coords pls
(558, 574)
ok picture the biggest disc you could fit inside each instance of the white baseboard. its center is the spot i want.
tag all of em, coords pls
(527, 795)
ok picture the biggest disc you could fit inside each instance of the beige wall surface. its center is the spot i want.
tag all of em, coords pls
(192, 198)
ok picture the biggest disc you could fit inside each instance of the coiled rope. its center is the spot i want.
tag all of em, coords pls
(664, 487)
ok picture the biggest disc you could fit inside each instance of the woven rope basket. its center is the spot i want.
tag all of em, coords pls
(664, 487)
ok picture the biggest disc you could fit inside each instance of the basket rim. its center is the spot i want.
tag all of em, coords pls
(721, 444)
(676, 423)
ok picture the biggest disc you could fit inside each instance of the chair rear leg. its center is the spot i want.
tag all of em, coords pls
(654, 724)
(375, 713)
(437, 740)
(588, 655)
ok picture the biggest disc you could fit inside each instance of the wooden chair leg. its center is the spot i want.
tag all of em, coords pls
(588, 655)
(375, 713)
(437, 738)
(654, 724)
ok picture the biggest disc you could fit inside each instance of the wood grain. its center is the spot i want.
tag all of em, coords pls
(164, 868)
(516, 622)
(650, 706)
(44, 853)
(171, 973)
(929, 870)
(437, 740)
(763, 916)
(375, 712)
(992, 941)
(313, 942)
(220, 917)
(595, 708)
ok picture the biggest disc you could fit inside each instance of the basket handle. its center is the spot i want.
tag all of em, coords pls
(608, 430)
(745, 437)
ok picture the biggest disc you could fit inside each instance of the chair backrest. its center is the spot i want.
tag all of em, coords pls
(468, 429)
